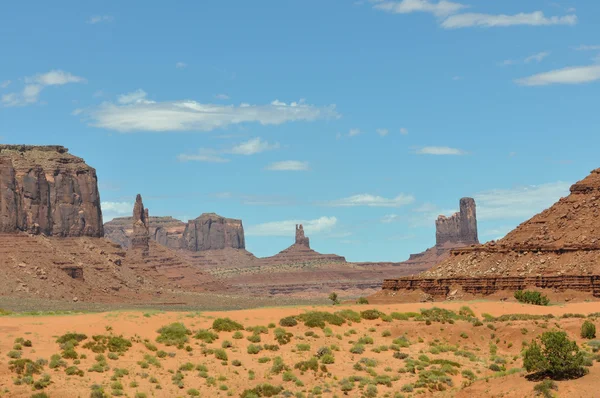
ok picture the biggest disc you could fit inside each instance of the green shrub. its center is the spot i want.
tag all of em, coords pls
(349, 315)
(262, 390)
(226, 325)
(254, 349)
(175, 334)
(545, 388)
(370, 314)
(334, 298)
(531, 297)
(282, 336)
(206, 335)
(362, 300)
(318, 319)
(311, 364)
(556, 356)
(288, 321)
(588, 330)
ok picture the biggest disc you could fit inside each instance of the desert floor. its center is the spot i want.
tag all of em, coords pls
(397, 356)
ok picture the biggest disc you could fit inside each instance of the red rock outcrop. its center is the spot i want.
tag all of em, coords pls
(140, 238)
(452, 232)
(164, 230)
(213, 232)
(300, 238)
(46, 190)
(556, 248)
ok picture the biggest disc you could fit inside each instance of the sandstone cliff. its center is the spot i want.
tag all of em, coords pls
(46, 190)
(165, 230)
(452, 232)
(212, 232)
(140, 238)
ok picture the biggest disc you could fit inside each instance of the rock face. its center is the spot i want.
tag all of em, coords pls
(165, 230)
(452, 232)
(140, 239)
(461, 227)
(213, 232)
(300, 238)
(560, 245)
(46, 190)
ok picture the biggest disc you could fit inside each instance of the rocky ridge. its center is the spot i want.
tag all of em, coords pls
(46, 190)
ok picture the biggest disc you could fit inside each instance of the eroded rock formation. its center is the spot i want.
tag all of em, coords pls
(300, 238)
(165, 230)
(213, 232)
(452, 232)
(461, 227)
(46, 190)
(140, 238)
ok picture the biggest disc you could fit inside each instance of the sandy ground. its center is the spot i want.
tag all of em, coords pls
(231, 380)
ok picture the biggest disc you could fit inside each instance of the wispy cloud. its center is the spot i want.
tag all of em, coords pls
(538, 57)
(371, 201)
(390, 218)
(186, 115)
(134, 97)
(403, 131)
(587, 47)
(519, 202)
(111, 210)
(288, 165)
(451, 15)
(100, 19)
(181, 65)
(5, 84)
(569, 75)
(536, 18)
(439, 150)
(382, 132)
(35, 84)
(354, 132)
(222, 96)
(441, 8)
(250, 147)
(286, 228)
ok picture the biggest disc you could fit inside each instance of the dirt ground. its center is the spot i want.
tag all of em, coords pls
(375, 371)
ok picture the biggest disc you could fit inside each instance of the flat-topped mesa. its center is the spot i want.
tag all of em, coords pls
(46, 190)
(213, 232)
(461, 227)
(300, 238)
(165, 230)
(140, 238)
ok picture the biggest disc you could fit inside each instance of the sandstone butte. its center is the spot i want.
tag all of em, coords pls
(51, 236)
(557, 249)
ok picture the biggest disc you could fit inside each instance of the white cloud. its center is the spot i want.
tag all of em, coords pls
(203, 155)
(252, 146)
(111, 210)
(287, 228)
(191, 115)
(5, 84)
(372, 201)
(181, 65)
(100, 18)
(569, 75)
(535, 18)
(382, 132)
(354, 132)
(390, 218)
(537, 57)
(519, 202)
(439, 150)
(222, 96)
(587, 47)
(403, 131)
(441, 8)
(288, 165)
(35, 84)
(135, 97)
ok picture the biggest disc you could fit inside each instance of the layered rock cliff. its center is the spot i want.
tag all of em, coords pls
(46, 190)
(165, 230)
(213, 232)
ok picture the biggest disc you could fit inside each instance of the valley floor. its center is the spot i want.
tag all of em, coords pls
(397, 354)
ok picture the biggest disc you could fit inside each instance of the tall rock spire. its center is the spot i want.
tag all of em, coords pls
(300, 238)
(461, 227)
(140, 239)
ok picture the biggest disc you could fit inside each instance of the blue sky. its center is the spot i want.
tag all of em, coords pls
(362, 119)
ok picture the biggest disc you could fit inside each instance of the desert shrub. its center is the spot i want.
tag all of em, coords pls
(257, 329)
(303, 347)
(400, 355)
(14, 354)
(69, 354)
(468, 374)
(362, 300)
(370, 314)
(328, 359)
(334, 298)
(236, 362)
(226, 325)
(545, 388)
(175, 334)
(42, 382)
(25, 367)
(75, 338)
(311, 364)
(404, 316)
(282, 336)
(271, 347)
(278, 366)
(436, 314)
(466, 311)
(254, 349)
(556, 356)
(318, 319)
(238, 335)
(254, 338)
(401, 341)
(221, 354)
(588, 330)
(495, 368)
(73, 371)
(226, 344)
(288, 321)
(262, 390)
(531, 297)
(101, 343)
(149, 346)
(349, 315)
(206, 335)
(264, 360)
(357, 349)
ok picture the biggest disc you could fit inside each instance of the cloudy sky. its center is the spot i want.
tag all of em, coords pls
(364, 120)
